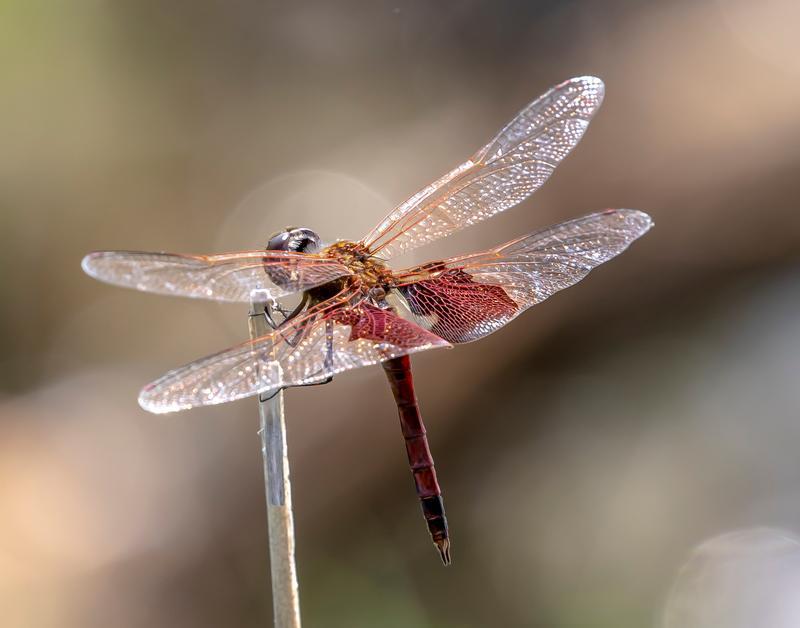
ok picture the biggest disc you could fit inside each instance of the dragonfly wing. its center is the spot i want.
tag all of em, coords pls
(465, 298)
(309, 352)
(228, 277)
(501, 174)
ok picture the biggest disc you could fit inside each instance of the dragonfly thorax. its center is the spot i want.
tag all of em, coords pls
(371, 271)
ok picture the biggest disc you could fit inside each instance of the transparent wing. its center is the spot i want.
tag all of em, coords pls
(308, 352)
(465, 298)
(501, 174)
(228, 277)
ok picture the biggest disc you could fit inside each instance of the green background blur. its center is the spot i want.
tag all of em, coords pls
(584, 451)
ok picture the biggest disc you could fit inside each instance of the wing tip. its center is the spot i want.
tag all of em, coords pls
(641, 221)
(586, 91)
(87, 263)
(587, 83)
(147, 403)
(154, 407)
(150, 401)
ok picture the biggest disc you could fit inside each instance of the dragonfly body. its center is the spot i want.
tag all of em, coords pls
(357, 311)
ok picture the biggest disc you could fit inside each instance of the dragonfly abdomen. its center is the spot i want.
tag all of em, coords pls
(398, 371)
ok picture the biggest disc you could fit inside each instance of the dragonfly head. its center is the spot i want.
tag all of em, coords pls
(297, 240)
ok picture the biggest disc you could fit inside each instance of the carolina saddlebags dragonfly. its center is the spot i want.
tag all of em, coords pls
(356, 311)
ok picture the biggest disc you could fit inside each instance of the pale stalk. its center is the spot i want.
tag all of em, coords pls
(285, 596)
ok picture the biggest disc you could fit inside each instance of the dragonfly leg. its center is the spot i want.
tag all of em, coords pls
(287, 315)
(264, 397)
(329, 345)
(328, 350)
(328, 360)
(295, 340)
(268, 315)
(297, 310)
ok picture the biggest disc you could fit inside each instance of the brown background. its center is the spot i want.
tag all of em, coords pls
(584, 450)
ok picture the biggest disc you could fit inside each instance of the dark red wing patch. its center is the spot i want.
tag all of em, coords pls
(457, 308)
(372, 323)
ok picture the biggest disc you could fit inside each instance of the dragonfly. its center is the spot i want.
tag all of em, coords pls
(356, 311)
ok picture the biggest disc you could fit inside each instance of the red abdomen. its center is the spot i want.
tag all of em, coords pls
(398, 371)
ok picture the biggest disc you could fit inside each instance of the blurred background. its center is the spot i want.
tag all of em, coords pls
(595, 455)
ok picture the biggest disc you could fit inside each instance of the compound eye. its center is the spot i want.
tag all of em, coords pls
(304, 241)
(279, 242)
(296, 241)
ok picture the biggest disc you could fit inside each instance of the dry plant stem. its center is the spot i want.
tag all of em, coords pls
(285, 597)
